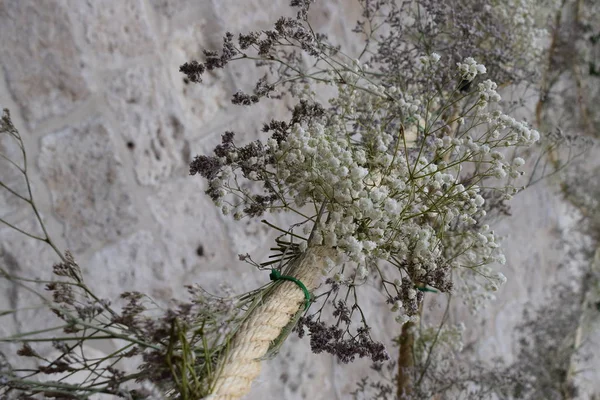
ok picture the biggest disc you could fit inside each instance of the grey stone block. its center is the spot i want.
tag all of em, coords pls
(40, 58)
(11, 177)
(150, 123)
(86, 181)
(112, 31)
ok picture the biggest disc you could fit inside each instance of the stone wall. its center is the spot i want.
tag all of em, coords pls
(110, 127)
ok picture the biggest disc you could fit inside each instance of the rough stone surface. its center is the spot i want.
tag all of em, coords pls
(113, 31)
(82, 172)
(188, 224)
(256, 15)
(136, 263)
(41, 60)
(11, 177)
(150, 124)
(204, 105)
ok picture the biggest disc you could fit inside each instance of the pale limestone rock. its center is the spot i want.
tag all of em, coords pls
(41, 60)
(112, 31)
(255, 15)
(11, 177)
(83, 174)
(204, 104)
(325, 17)
(190, 229)
(149, 122)
(135, 263)
(296, 373)
(170, 8)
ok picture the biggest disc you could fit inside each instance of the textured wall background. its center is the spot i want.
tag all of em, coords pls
(109, 127)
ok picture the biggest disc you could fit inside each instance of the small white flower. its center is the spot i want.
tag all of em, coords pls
(369, 245)
(499, 276)
(479, 201)
(469, 68)
(482, 238)
(496, 155)
(303, 246)
(362, 272)
(423, 61)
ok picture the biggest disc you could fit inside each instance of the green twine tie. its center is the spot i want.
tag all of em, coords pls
(425, 289)
(276, 276)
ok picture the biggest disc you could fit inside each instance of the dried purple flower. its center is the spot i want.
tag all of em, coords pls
(329, 339)
(206, 166)
(193, 71)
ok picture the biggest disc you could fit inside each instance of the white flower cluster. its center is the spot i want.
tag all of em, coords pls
(469, 69)
(380, 204)
(448, 339)
(478, 286)
(426, 61)
(386, 199)
(487, 93)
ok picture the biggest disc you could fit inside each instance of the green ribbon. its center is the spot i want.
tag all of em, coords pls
(276, 276)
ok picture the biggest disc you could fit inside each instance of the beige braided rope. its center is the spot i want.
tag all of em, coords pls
(243, 361)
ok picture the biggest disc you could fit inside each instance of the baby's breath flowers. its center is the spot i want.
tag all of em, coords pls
(414, 206)
(469, 69)
(403, 164)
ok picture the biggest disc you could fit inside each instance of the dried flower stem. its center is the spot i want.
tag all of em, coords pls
(406, 361)
(578, 337)
(581, 97)
(8, 127)
(545, 84)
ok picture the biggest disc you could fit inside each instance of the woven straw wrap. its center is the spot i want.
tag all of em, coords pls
(242, 363)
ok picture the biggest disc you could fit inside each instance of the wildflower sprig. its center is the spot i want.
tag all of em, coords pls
(173, 350)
